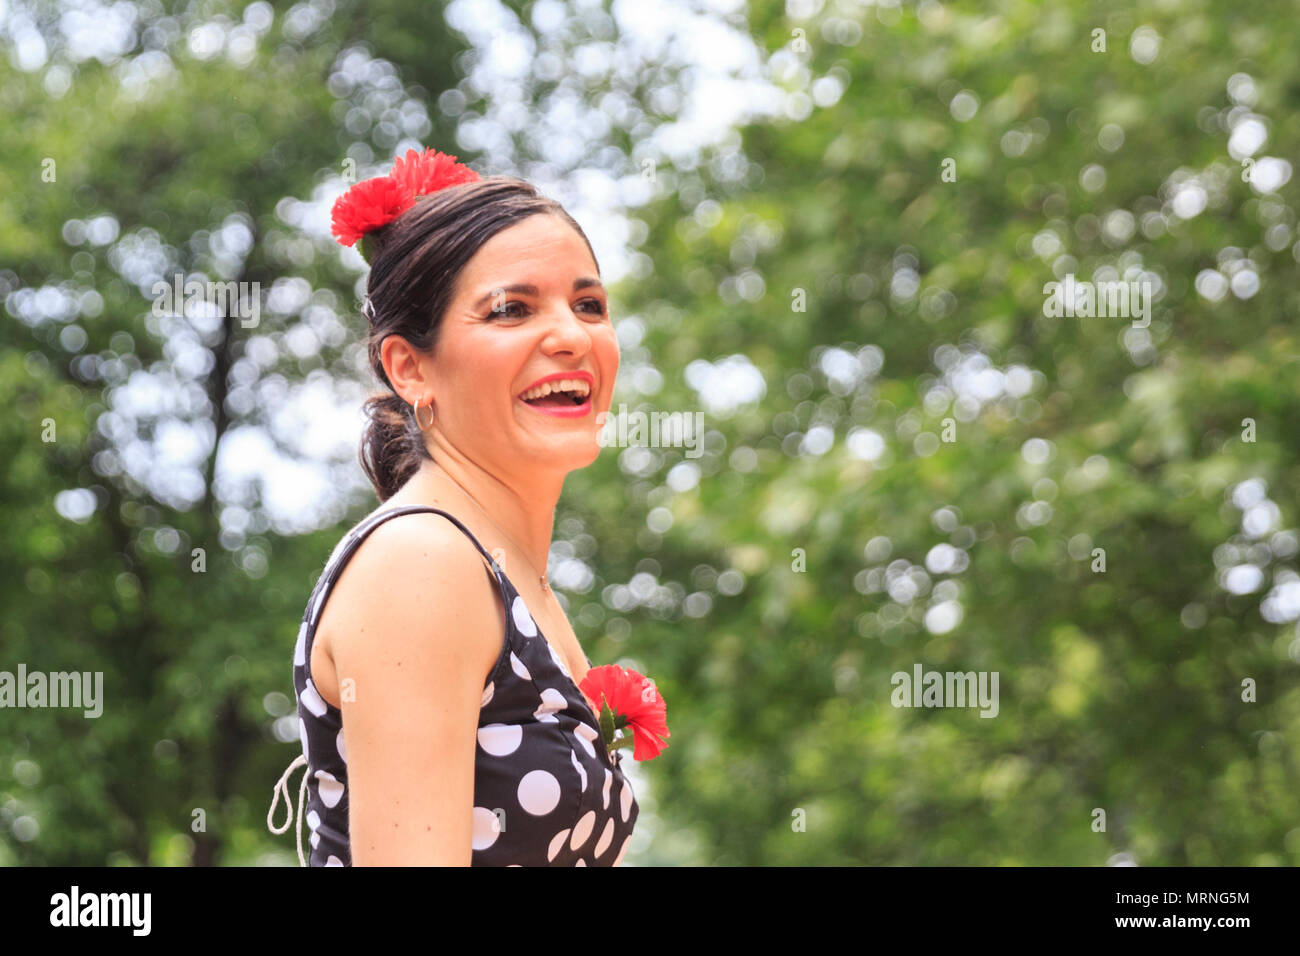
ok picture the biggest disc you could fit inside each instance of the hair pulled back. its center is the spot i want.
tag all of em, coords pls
(416, 262)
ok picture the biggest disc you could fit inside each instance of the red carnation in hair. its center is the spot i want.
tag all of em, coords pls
(623, 698)
(366, 206)
(377, 202)
(423, 174)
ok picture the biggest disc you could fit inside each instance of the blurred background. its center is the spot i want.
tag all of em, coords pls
(827, 225)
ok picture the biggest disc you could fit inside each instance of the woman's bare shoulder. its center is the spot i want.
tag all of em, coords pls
(411, 573)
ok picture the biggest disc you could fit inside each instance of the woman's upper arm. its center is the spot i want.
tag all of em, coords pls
(418, 630)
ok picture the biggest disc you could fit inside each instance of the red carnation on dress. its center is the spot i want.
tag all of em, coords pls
(423, 174)
(367, 206)
(624, 698)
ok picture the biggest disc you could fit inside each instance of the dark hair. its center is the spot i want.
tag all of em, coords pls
(415, 262)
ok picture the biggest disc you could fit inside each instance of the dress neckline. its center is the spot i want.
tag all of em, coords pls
(562, 671)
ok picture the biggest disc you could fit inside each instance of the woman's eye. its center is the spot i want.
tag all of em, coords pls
(510, 310)
(517, 310)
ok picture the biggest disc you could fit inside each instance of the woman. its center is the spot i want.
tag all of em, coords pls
(440, 714)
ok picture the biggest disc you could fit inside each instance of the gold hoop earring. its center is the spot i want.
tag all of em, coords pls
(416, 409)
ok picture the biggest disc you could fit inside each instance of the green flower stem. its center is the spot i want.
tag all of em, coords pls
(609, 722)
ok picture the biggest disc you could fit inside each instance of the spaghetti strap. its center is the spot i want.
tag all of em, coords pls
(416, 509)
(358, 534)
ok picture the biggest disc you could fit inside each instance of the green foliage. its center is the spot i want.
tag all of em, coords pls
(196, 663)
(1121, 689)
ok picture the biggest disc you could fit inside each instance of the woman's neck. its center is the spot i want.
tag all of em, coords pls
(525, 515)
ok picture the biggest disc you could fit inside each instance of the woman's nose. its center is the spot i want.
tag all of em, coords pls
(567, 330)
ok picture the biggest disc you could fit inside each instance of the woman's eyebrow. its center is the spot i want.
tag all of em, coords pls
(527, 288)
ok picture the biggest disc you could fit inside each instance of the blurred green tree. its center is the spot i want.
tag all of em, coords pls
(1102, 513)
(179, 152)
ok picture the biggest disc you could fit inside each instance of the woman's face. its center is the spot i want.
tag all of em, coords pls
(527, 306)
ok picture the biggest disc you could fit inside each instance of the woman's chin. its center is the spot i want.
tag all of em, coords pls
(563, 454)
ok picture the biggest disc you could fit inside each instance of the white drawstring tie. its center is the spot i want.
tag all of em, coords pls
(283, 785)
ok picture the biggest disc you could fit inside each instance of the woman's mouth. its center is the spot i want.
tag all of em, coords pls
(570, 398)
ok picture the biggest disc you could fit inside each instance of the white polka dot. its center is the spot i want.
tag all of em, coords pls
(606, 837)
(331, 791)
(320, 602)
(581, 862)
(557, 842)
(625, 799)
(519, 667)
(315, 839)
(539, 792)
(582, 830)
(338, 742)
(523, 620)
(604, 791)
(585, 736)
(582, 773)
(487, 827)
(552, 700)
(313, 819)
(300, 649)
(619, 859)
(333, 861)
(312, 700)
(500, 739)
(559, 661)
(487, 694)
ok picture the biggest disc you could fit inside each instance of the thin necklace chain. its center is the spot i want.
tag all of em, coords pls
(546, 586)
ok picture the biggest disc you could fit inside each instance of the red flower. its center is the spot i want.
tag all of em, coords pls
(367, 206)
(377, 202)
(423, 174)
(622, 697)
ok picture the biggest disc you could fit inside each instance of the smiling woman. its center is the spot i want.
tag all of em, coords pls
(468, 740)
(414, 293)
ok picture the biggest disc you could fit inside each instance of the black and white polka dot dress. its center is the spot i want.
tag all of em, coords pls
(546, 791)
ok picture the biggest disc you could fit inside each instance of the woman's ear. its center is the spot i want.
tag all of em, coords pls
(405, 367)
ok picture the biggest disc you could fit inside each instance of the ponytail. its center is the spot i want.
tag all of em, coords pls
(392, 447)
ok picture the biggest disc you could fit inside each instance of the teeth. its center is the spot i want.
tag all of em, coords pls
(560, 385)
